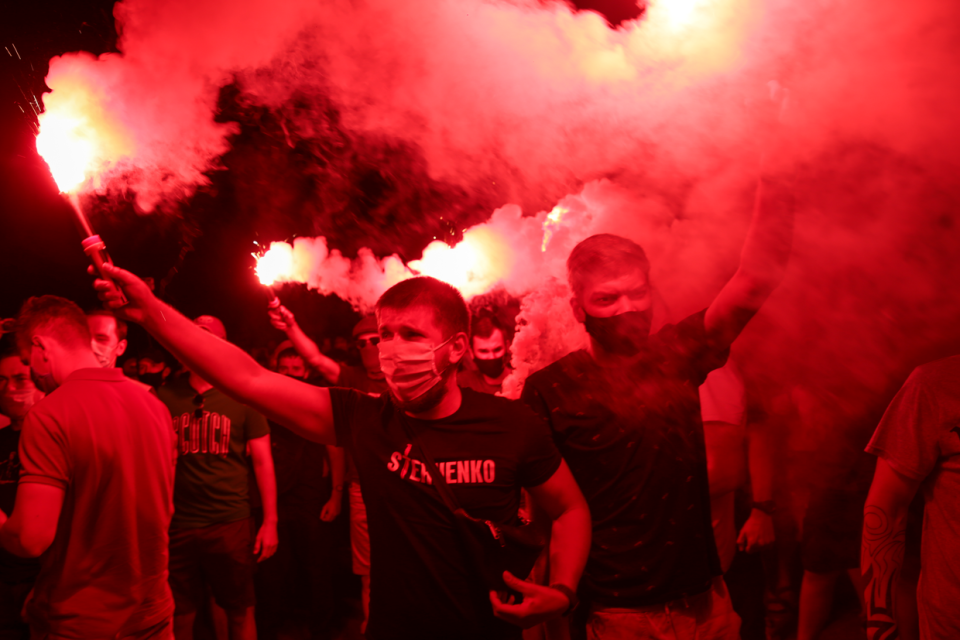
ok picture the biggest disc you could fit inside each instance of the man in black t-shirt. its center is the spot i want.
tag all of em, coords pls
(423, 582)
(213, 540)
(370, 380)
(625, 414)
(295, 586)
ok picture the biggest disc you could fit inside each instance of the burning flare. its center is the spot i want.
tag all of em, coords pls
(276, 264)
(78, 138)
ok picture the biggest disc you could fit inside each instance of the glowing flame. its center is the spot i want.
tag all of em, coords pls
(474, 266)
(78, 137)
(551, 223)
(276, 264)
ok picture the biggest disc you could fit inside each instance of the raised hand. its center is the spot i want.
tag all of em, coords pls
(540, 603)
(282, 318)
(139, 297)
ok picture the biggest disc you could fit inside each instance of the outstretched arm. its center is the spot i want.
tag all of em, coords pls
(763, 263)
(881, 553)
(283, 319)
(303, 408)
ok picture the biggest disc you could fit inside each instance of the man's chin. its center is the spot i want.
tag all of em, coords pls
(430, 399)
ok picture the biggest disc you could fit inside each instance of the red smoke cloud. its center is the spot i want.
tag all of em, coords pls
(653, 131)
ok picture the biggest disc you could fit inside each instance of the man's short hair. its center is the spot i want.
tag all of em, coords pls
(484, 326)
(446, 302)
(290, 353)
(155, 354)
(58, 317)
(211, 324)
(604, 254)
(121, 325)
(8, 347)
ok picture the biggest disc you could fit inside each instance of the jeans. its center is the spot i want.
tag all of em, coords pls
(706, 616)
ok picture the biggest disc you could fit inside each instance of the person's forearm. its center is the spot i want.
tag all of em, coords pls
(760, 452)
(570, 546)
(328, 368)
(338, 466)
(766, 250)
(884, 534)
(267, 484)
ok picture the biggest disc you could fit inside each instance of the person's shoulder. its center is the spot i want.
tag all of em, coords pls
(569, 367)
(943, 370)
(488, 407)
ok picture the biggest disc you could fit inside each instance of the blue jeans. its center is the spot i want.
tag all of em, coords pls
(706, 616)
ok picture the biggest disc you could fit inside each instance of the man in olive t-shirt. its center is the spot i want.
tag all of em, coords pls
(212, 538)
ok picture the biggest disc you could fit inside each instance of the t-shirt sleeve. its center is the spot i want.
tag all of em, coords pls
(540, 456)
(256, 424)
(909, 433)
(44, 456)
(347, 405)
(690, 350)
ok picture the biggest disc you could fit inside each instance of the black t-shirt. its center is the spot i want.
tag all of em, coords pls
(302, 488)
(13, 569)
(212, 479)
(633, 438)
(422, 584)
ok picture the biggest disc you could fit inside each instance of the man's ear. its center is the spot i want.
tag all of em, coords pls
(121, 347)
(458, 347)
(43, 343)
(578, 311)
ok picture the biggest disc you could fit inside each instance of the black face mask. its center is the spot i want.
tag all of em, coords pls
(625, 334)
(152, 379)
(491, 368)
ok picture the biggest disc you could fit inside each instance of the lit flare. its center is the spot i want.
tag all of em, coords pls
(78, 136)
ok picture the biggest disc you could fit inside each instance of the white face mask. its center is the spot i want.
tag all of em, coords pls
(410, 367)
(105, 355)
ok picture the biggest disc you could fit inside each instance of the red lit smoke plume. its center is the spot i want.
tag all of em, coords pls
(653, 131)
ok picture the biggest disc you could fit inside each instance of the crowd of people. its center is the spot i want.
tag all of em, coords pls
(636, 490)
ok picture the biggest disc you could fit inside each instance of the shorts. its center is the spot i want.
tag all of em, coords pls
(832, 530)
(162, 630)
(359, 536)
(705, 615)
(219, 556)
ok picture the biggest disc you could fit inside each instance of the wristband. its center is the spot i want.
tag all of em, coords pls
(571, 596)
(767, 506)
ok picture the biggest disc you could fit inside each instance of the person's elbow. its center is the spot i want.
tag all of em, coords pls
(33, 543)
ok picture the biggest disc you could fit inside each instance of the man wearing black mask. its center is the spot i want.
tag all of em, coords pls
(488, 346)
(625, 414)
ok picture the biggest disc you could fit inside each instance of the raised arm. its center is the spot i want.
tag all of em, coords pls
(881, 551)
(283, 319)
(303, 408)
(763, 263)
